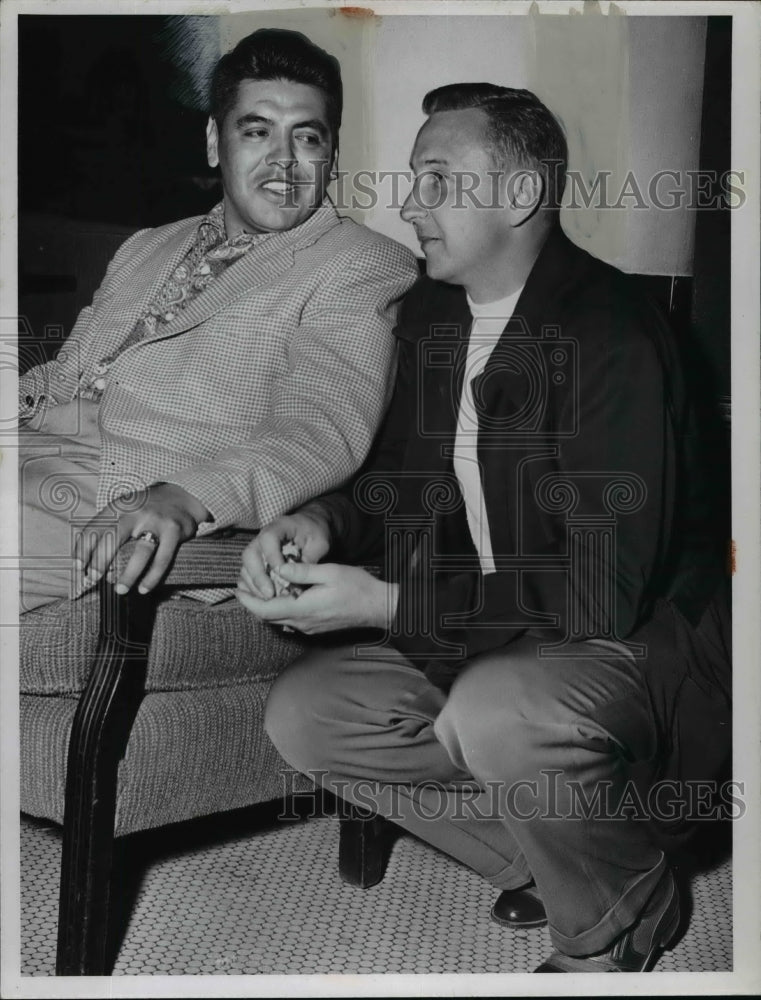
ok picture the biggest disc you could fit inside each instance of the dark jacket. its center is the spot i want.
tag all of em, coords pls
(594, 492)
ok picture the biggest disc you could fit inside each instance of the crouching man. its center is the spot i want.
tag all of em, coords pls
(549, 623)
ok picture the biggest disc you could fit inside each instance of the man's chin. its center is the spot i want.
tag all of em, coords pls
(437, 270)
(270, 218)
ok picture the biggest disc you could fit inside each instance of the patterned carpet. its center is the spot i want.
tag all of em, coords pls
(246, 894)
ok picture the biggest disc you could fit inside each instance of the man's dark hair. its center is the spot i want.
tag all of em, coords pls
(275, 54)
(521, 131)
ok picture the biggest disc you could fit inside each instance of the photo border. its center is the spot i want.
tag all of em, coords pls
(746, 489)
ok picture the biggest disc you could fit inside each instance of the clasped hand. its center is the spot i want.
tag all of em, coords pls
(167, 513)
(339, 597)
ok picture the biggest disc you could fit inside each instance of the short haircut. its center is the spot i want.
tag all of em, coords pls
(275, 54)
(521, 131)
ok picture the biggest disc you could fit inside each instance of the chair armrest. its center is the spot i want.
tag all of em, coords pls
(209, 561)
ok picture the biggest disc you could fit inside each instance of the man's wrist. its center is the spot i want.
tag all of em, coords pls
(198, 511)
(195, 508)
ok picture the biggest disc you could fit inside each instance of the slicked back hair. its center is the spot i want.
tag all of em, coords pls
(275, 54)
(522, 132)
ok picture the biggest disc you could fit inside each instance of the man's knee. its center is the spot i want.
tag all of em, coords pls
(517, 705)
(320, 700)
(504, 685)
(333, 710)
(298, 701)
(489, 709)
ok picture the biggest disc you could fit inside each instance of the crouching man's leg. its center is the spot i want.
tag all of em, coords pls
(364, 729)
(505, 773)
(557, 736)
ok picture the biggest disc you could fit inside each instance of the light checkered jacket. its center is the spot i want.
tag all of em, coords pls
(264, 392)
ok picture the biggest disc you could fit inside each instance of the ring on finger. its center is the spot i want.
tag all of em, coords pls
(148, 536)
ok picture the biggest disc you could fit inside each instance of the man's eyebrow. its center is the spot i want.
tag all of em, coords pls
(431, 161)
(316, 124)
(252, 118)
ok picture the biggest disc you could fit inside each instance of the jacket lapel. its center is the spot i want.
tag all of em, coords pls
(140, 284)
(438, 333)
(256, 268)
(554, 269)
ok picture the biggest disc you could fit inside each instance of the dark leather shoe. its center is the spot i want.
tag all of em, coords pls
(638, 948)
(519, 908)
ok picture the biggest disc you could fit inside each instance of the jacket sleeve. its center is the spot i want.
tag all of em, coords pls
(56, 381)
(618, 468)
(357, 512)
(326, 408)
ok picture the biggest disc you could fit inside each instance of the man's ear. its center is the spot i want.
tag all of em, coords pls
(524, 195)
(212, 143)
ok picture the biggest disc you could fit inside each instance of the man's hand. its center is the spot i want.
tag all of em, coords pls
(171, 516)
(339, 597)
(308, 529)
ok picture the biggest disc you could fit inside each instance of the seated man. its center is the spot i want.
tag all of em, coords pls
(553, 632)
(230, 367)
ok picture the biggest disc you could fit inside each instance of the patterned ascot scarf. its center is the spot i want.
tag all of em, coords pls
(212, 252)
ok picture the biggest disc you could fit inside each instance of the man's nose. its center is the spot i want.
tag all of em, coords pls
(412, 209)
(281, 152)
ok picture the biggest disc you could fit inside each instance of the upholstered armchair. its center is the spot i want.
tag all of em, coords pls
(139, 711)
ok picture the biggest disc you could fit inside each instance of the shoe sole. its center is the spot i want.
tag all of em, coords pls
(518, 925)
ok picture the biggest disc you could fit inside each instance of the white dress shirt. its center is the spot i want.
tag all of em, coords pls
(489, 320)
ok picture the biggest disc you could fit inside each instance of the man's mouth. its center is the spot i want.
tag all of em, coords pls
(426, 241)
(277, 187)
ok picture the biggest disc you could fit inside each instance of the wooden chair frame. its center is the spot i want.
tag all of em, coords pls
(100, 732)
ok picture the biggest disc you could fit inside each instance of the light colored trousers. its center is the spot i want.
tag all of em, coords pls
(58, 483)
(494, 772)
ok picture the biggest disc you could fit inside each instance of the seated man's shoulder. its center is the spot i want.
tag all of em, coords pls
(166, 231)
(145, 241)
(355, 240)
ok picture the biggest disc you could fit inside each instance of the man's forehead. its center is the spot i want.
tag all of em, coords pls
(280, 99)
(450, 137)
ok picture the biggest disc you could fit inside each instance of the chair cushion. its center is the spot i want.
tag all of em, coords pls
(190, 753)
(195, 646)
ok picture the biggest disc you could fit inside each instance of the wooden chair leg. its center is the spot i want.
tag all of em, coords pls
(101, 728)
(362, 847)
